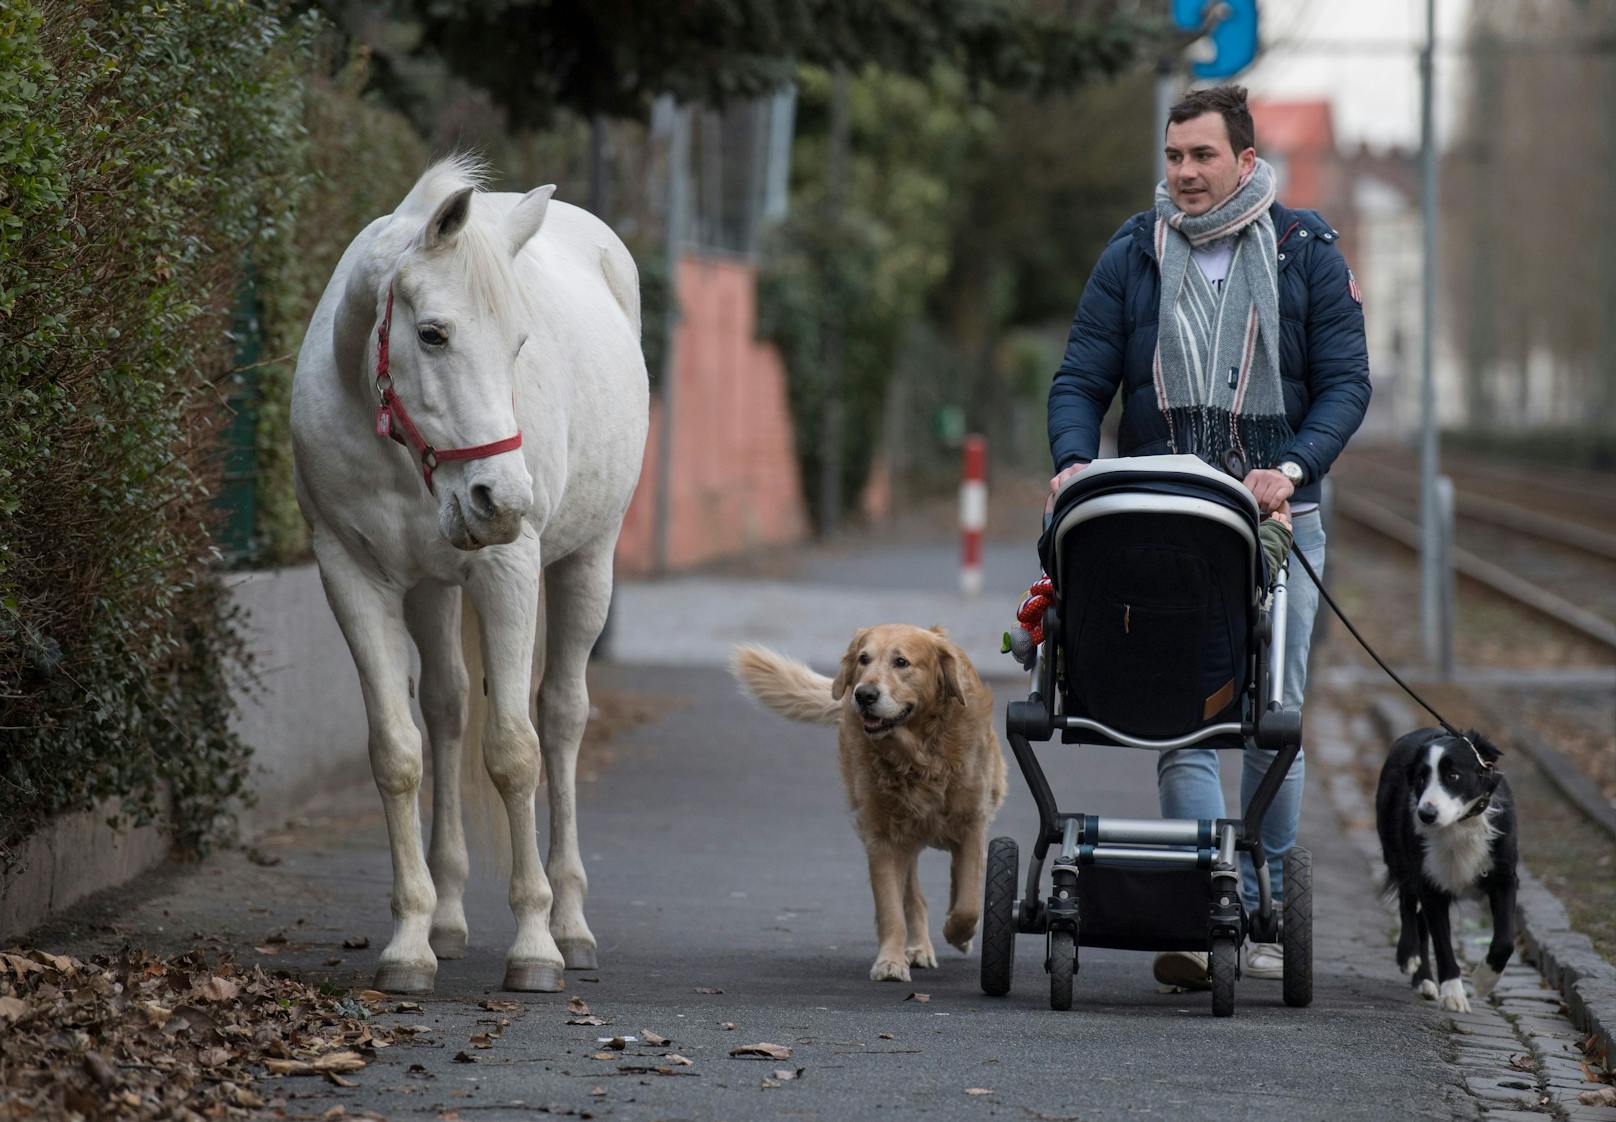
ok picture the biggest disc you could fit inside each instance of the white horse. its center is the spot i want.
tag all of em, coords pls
(496, 337)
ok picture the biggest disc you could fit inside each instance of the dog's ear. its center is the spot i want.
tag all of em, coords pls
(949, 670)
(849, 665)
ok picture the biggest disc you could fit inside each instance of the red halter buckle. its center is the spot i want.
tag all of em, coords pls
(392, 409)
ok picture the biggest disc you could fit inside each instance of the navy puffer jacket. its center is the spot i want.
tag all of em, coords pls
(1323, 361)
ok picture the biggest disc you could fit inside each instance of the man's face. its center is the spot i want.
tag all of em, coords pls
(1202, 168)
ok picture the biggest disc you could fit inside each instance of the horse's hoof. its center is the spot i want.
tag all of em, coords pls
(533, 977)
(405, 977)
(579, 956)
(447, 942)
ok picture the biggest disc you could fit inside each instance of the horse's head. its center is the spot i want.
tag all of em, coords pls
(457, 325)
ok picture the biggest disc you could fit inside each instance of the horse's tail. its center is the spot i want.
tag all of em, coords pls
(785, 685)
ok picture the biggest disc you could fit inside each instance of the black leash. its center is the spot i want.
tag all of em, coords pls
(1234, 463)
(1487, 768)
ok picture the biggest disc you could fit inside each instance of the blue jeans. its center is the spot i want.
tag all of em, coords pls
(1187, 780)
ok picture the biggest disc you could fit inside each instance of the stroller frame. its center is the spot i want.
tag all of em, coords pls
(1157, 866)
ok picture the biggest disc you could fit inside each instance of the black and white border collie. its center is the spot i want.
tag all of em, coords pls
(1447, 830)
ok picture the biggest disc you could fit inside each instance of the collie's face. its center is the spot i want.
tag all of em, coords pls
(1447, 781)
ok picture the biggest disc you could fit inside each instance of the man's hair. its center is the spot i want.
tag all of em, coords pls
(1229, 102)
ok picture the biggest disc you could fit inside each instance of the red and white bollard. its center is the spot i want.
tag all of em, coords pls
(973, 513)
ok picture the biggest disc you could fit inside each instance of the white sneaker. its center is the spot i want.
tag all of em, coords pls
(1185, 969)
(1265, 960)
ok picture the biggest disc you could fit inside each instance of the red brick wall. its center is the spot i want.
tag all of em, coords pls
(734, 478)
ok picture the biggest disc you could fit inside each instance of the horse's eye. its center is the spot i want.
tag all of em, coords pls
(864, 659)
(432, 335)
(900, 662)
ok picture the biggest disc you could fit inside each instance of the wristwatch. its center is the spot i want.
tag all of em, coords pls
(1292, 470)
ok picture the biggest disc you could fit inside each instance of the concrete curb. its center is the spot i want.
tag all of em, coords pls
(305, 724)
(1566, 958)
(73, 856)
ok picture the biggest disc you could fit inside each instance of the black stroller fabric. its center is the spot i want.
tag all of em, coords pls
(1156, 616)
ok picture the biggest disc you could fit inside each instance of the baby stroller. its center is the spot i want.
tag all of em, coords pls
(1163, 634)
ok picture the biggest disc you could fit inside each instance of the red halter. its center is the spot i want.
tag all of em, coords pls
(392, 409)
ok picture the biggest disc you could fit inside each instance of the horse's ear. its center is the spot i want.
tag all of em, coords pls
(448, 220)
(527, 216)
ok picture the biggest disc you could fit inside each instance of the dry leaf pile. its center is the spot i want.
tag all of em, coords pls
(138, 1037)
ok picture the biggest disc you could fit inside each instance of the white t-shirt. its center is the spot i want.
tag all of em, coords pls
(1214, 260)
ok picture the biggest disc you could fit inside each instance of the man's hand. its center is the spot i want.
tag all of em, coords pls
(1058, 482)
(1269, 487)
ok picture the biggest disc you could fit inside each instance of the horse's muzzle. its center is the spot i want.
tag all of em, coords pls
(484, 512)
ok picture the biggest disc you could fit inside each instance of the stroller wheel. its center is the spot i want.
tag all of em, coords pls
(999, 918)
(1225, 965)
(1062, 965)
(1298, 932)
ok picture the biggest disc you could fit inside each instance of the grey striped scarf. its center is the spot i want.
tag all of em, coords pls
(1217, 353)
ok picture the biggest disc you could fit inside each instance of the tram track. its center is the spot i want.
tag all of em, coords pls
(1383, 514)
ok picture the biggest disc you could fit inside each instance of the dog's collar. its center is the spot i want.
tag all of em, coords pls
(1490, 774)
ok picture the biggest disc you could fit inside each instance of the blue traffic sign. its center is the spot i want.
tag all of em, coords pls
(1234, 36)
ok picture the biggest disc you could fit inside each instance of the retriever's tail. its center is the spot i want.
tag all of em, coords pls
(785, 685)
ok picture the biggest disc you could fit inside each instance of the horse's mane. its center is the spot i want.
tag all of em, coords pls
(481, 256)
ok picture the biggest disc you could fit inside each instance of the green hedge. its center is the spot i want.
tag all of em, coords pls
(146, 154)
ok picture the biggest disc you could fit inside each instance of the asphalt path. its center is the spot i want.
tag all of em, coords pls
(727, 889)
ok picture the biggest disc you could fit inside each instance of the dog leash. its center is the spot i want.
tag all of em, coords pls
(1234, 464)
(1487, 768)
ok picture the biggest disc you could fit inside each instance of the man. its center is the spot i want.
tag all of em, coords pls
(1229, 322)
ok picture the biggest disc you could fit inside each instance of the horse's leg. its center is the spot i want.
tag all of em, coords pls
(507, 600)
(578, 592)
(432, 612)
(371, 617)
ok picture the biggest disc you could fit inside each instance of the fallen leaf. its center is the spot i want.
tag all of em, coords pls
(156, 1013)
(56, 961)
(677, 1060)
(100, 1071)
(885, 1035)
(12, 1009)
(1523, 1063)
(977, 1091)
(463, 1058)
(333, 962)
(597, 1091)
(276, 936)
(333, 1077)
(1605, 1096)
(603, 1055)
(268, 950)
(331, 1061)
(1588, 1072)
(482, 1040)
(727, 1026)
(920, 997)
(653, 1039)
(494, 1005)
(370, 997)
(762, 1051)
(356, 942)
(219, 989)
(589, 1020)
(577, 1006)
(334, 1112)
(617, 1042)
(213, 1057)
(407, 1007)
(787, 1074)
(708, 989)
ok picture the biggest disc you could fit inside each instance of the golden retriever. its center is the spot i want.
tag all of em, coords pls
(921, 764)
